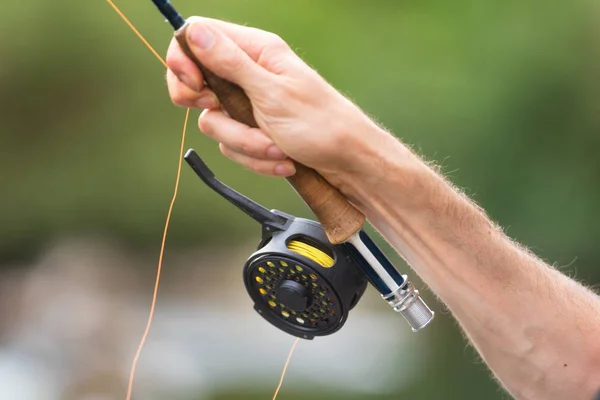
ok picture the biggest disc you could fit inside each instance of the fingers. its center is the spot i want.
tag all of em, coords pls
(224, 57)
(183, 96)
(184, 68)
(238, 137)
(253, 41)
(244, 55)
(247, 146)
(264, 167)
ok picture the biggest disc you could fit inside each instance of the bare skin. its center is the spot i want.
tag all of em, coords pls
(536, 329)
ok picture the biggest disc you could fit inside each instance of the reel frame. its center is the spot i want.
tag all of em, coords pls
(304, 298)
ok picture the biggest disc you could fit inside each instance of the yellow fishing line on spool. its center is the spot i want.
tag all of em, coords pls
(310, 252)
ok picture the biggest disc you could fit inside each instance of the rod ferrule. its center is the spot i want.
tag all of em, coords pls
(407, 301)
(394, 287)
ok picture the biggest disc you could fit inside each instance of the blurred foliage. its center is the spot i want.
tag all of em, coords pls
(504, 94)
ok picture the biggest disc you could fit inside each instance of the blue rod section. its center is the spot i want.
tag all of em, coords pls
(372, 276)
(379, 270)
(383, 260)
(168, 11)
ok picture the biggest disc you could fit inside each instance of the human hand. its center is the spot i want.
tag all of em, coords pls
(300, 116)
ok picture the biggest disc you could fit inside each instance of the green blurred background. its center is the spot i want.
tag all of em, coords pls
(505, 95)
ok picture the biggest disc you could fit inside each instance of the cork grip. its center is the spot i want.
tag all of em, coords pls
(339, 218)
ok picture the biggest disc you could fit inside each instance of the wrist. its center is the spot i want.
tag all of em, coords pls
(377, 170)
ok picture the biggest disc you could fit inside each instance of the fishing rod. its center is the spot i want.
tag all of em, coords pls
(305, 276)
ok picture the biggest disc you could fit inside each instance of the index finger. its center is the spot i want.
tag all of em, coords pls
(184, 68)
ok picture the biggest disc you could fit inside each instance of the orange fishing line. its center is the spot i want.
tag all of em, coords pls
(133, 28)
(287, 362)
(168, 220)
(160, 261)
(166, 229)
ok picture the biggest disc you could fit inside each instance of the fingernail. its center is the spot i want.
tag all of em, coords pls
(275, 152)
(202, 37)
(189, 82)
(208, 101)
(284, 169)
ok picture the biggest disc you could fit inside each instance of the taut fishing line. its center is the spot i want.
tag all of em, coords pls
(166, 228)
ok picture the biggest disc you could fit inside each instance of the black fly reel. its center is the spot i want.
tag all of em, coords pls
(298, 281)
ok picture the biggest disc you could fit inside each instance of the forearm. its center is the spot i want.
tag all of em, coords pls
(530, 323)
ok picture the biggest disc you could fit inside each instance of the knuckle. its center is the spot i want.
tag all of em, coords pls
(245, 148)
(254, 165)
(173, 57)
(276, 41)
(271, 100)
(176, 90)
(177, 97)
(267, 40)
(233, 61)
(226, 152)
(248, 144)
(205, 125)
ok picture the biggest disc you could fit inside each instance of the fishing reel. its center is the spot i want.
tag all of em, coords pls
(300, 282)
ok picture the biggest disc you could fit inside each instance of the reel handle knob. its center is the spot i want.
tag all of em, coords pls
(339, 217)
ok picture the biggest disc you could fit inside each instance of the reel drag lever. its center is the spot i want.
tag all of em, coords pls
(253, 209)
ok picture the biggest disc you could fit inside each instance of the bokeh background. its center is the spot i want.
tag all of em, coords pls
(505, 95)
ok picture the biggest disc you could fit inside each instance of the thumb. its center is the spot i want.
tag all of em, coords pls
(224, 57)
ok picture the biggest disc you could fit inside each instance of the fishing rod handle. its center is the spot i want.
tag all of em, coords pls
(340, 219)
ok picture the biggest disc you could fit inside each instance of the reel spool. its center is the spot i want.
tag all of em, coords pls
(298, 281)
